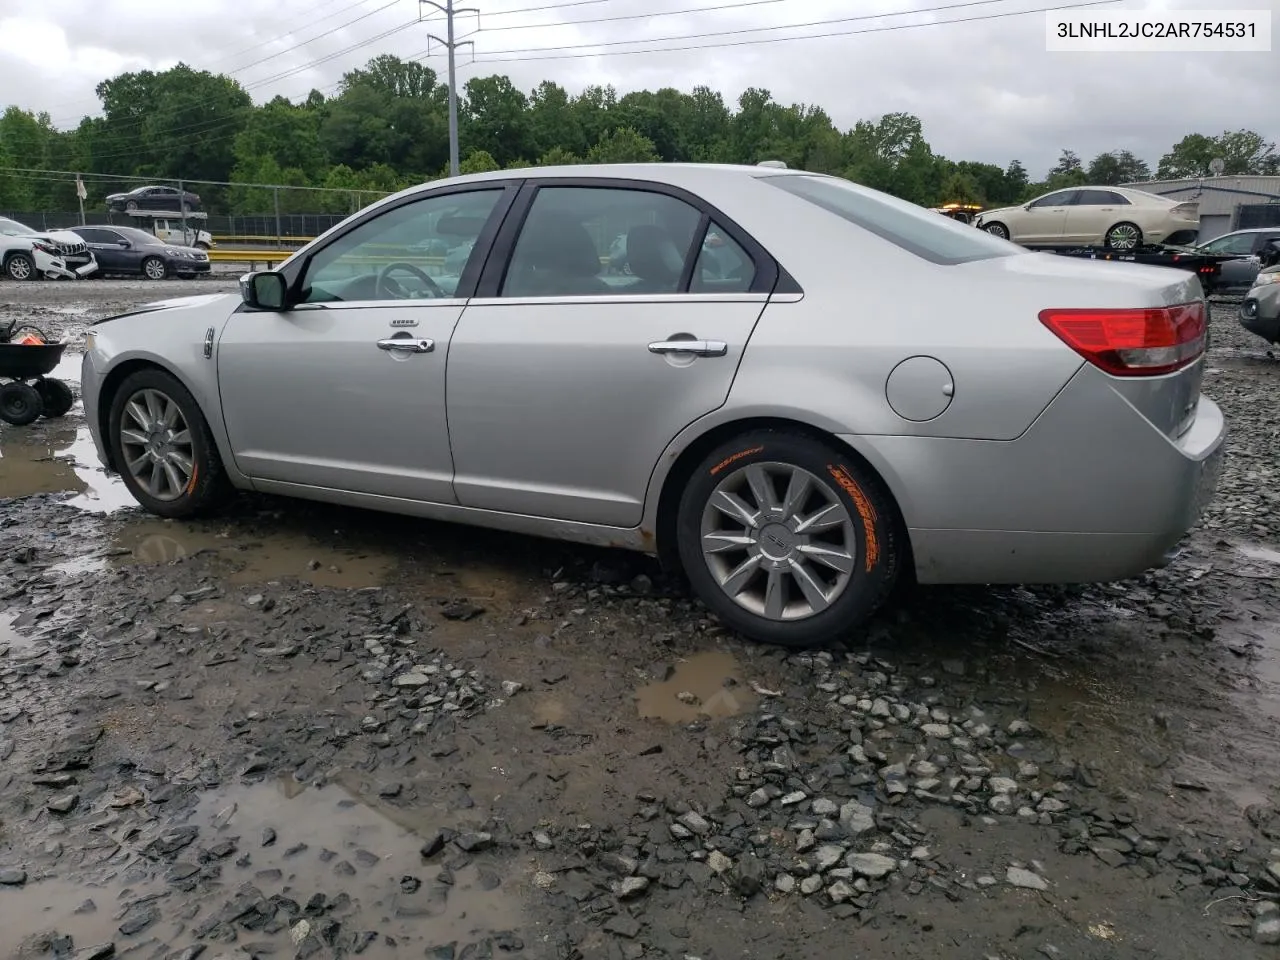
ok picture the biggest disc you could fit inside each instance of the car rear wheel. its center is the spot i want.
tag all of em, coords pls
(997, 229)
(19, 403)
(153, 268)
(787, 539)
(162, 446)
(19, 266)
(1123, 236)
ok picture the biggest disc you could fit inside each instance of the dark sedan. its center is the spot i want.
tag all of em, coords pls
(154, 198)
(127, 250)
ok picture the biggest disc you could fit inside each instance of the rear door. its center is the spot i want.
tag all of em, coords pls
(566, 381)
(1092, 214)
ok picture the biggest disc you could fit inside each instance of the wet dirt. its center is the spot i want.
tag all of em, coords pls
(290, 842)
(248, 560)
(448, 679)
(707, 685)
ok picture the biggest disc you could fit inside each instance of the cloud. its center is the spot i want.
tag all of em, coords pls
(985, 90)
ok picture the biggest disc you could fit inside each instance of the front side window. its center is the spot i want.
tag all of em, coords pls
(900, 222)
(1238, 243)
(598, 241)
(414, 251)
(1063, 198)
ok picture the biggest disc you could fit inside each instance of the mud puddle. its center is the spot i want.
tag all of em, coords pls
(275, 557)
(10, 639)
(707, 685)
(320, 864)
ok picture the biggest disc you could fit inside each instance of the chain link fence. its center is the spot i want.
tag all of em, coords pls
(247, 215)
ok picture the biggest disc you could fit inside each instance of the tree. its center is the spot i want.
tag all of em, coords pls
(1116, 167)
(478, 161)
(558, 157)
(496, 119)
(623, 145)
(1243, 153)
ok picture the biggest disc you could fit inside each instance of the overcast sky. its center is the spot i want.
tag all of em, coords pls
(985, 90)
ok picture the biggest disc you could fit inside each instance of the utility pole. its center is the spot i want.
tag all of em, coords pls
(451, 45)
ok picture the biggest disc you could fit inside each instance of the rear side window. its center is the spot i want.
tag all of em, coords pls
(906, 225)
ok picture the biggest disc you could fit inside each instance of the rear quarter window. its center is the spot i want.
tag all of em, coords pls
(922, 232)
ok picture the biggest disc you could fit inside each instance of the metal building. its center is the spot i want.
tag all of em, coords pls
(1226, 203)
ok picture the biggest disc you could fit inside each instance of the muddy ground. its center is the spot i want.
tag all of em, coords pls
(316, 732)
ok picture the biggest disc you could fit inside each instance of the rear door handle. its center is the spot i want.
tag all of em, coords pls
(408, 344)
(699, 348)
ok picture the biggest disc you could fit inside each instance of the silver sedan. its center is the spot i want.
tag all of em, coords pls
(792, 437)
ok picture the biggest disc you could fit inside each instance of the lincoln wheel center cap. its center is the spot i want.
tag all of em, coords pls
(777, 542)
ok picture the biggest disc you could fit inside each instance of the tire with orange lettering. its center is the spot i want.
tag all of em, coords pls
(161, 444)
(788, 539)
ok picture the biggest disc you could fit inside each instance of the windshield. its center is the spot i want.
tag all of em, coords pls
(904, 224)
(12, 228)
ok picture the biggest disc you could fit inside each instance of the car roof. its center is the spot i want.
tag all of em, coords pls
(675, 174)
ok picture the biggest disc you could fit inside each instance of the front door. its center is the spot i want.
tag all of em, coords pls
(112, 251)
(1045, 220)
(569, 374)
(346, 389)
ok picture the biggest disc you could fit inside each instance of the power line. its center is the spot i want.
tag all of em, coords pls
(644, 16)
(494, 55)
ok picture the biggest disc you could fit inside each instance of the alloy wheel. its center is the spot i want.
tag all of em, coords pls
(1123, 237)
(156, 444)
(778, 541)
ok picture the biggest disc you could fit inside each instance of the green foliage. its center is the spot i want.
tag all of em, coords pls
(623, 145)
(386, 127)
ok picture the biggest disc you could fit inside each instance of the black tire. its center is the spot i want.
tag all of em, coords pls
(20, 266)
(201, 245)
(208, 485)
(19, 403)
(997, 229)
(131, 205)
(56, 397)
(1108, 239)
(154, 268)
(869, 533)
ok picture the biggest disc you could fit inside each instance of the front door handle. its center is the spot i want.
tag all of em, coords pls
(699, 348)
(408, 344)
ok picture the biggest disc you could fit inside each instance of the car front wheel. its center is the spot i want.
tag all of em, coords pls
(20, 266)
(153, 268)
(997, 230)
(162, 446)
(789, 540)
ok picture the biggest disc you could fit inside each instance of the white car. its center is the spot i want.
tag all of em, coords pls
(54, 254)
(170, 231)
(1112, 217)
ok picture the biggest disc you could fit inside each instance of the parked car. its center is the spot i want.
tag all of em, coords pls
(1246, 244)
(153, 198)
(128, 250)
(790, 437)
(1113, 217)
(1260, 309)
(53, 254)
(171, 231)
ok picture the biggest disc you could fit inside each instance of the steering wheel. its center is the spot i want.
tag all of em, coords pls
(385, 281)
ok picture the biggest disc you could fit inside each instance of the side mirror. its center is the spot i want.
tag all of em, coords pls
(264, 290)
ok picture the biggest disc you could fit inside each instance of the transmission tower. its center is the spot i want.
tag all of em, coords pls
(451, 44)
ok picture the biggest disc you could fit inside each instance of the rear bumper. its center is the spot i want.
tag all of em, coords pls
(1092, 492)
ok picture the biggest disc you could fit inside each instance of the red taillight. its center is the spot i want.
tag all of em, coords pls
(1133, 343)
